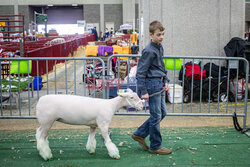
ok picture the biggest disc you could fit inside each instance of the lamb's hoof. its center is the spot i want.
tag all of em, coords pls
(117, 156)
(90, 152)
(47, 157)
(51, 158)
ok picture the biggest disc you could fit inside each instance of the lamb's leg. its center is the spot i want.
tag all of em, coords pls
(42, 140)
(91, 144)
(112, 149)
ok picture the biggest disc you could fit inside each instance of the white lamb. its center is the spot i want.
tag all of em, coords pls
(79, 110)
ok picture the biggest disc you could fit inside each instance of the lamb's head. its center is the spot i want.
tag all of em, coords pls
(132, 99)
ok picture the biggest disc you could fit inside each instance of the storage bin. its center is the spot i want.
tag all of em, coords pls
(172, 64)
(174, 93)
(39, 86)
(23, 66)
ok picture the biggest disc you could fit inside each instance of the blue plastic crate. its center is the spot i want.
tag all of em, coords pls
(39, 86)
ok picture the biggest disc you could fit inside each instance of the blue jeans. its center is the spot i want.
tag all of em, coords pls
(157, 107)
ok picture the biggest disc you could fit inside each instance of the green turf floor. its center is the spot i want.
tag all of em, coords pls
(219, 146)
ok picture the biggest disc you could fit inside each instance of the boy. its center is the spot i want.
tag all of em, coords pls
(152, 83)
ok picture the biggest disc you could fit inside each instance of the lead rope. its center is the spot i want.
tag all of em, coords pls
(144, 101)
(156, 93)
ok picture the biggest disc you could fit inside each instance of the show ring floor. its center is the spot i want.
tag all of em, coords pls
(195, 141)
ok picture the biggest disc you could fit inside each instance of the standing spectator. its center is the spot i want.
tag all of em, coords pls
(33, 38)
(111, 31)
(95, 33)
(106, 33)
(133, 38)
(92, 30)
(101, 36)
(1, 37)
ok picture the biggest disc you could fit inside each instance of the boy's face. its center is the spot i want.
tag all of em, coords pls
(158, 36)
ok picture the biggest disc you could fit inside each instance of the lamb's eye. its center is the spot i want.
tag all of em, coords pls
(131, 97)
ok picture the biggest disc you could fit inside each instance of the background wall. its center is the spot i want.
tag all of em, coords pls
(113, 13)
(25, 10)
(128, 17)
(91, 13)
(247, 27)
(7, 9)
(194, 28)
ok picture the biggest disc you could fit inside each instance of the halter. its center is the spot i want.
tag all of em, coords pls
(134, 106)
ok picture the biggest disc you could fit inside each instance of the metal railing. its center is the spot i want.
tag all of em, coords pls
(216, 99)
(17, 90)
(101, 77)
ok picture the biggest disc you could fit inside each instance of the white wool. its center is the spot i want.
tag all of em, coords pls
(79, 110)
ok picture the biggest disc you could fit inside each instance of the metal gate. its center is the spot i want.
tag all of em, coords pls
(20, 91)
(209, 96)
(101, 77)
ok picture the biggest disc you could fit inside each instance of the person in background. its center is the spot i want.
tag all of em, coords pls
(106, 33)
(101, 36)
(119, 43)
(247, 36)
(134, 49)
(95, 33)
(133, 38)
(111, 31)
(1, 37)
(92, 30)
(152, 83)
(33, 38)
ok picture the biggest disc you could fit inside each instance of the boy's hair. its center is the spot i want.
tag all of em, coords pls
(154, 25)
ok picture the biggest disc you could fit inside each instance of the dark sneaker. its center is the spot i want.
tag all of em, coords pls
(161, 151)
(141, 141)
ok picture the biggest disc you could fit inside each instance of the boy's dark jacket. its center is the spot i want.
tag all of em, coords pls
(151, 65)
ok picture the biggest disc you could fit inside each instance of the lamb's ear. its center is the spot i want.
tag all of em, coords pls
(129, 90)
(123, 92)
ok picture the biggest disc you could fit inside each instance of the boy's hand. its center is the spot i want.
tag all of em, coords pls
(146, 96)
(166, 86)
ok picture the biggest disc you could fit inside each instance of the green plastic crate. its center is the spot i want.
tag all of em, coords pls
(172, 64)
(23, 66)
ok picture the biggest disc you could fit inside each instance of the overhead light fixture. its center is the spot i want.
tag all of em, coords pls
(74, 4)
(50, 5)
